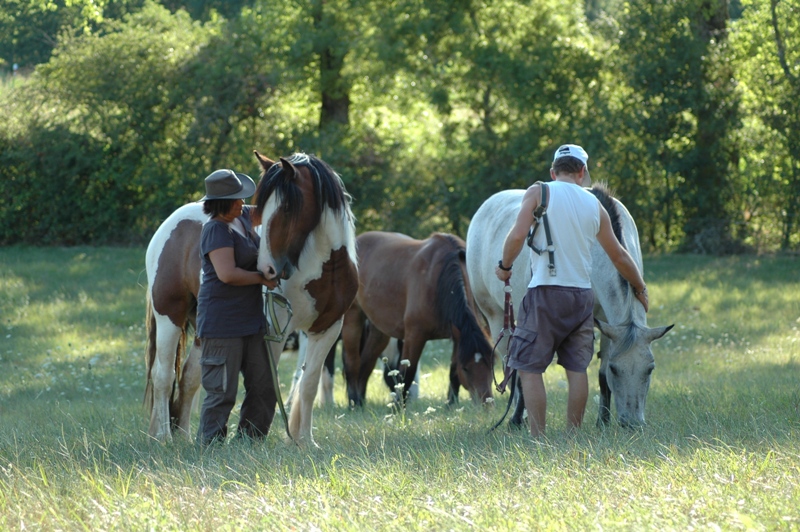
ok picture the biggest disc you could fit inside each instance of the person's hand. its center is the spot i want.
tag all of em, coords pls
(642, 297)
(501, 274)
(269, 283)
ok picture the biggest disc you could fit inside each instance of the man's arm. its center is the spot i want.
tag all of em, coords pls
(621, 259)
(516, 236)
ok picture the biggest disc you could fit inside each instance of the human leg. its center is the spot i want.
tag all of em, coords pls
(575, 354)
(258, 406)
(220, 362)
(535, 395)
(578, 393)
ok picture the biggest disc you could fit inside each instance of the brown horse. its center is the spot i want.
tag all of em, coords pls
(308, 241)
(415, 291)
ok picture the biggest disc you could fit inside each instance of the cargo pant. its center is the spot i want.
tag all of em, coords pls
(221, 361)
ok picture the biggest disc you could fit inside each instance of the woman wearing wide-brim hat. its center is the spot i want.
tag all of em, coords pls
(230, 315)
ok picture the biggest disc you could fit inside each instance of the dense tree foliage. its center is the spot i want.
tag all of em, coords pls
(426, 107)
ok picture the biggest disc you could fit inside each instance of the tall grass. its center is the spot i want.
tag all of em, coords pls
(721, 448)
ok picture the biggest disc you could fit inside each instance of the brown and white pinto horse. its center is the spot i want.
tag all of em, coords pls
(308, 241)
(173, 281)
(415, 291)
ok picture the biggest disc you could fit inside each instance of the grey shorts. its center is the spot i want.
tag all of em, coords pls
(553, 319)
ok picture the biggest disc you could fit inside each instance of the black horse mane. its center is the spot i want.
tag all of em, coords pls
(329, 189)
(452, 307)
(605, 196)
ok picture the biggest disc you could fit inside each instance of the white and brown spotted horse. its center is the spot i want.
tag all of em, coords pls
(308, 241)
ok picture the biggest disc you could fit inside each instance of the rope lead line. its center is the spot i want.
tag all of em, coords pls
(508, 330)
(272, 301)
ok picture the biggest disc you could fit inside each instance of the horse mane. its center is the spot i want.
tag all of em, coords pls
(626, 342)
(606, 197)
(329, 188)
(452, 306)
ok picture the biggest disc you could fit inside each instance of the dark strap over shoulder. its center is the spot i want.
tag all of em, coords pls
(540, 218)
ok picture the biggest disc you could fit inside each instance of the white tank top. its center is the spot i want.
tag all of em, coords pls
(574, 217)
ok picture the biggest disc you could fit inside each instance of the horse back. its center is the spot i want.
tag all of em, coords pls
(398, 276)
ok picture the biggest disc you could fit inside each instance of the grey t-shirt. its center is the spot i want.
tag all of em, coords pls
(223, 310)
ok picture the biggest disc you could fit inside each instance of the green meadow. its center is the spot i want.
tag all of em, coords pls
(721, 449)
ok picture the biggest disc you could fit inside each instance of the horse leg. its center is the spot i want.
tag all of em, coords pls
(302, 344)
(353, 329)
(373, 345)
(412, 350)
(604, 412)
(392, 354)
(162, 377)
(319, 345)
(517, 420)
(455, 383)
(326, 380)
(187, 389)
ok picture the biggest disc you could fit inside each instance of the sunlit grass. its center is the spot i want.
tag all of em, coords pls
(721, 449)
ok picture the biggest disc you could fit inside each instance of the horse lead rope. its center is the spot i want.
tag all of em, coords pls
(508, 328)
(270, 302)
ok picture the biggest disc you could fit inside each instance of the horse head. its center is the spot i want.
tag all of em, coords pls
(627, 364)
(286, 217)
(474, 369)
(472, 362)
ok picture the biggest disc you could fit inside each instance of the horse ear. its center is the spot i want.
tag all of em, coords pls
(265, 162)
(289, 168)
(608, 330)
(657, 332)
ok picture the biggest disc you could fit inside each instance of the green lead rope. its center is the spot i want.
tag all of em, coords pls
(272, 301)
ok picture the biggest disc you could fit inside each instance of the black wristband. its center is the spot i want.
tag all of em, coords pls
(500, 265)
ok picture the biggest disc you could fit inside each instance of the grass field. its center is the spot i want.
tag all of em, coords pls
(721, 449)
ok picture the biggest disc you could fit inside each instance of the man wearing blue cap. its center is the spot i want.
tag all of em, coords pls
(556, 313)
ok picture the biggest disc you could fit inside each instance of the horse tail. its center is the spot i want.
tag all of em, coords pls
(149, 353)
(454, 310)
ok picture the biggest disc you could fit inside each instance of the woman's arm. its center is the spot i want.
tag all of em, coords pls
(227, 271)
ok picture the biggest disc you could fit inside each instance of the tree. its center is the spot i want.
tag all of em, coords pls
(766, 43)
(681, 110)
(511, 81)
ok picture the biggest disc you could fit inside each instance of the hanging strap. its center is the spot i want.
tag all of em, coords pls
(507, 330)
(540, 218)
(275, 333)
(509, 375)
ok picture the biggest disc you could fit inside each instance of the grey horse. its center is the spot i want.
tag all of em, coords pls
(627, 361)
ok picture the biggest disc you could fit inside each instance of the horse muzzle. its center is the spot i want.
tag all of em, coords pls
(628, 422)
